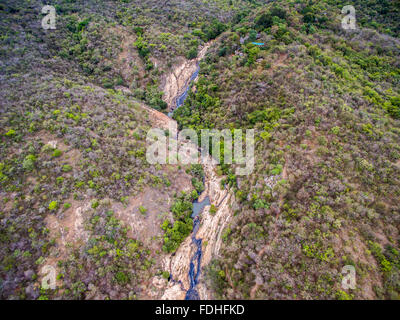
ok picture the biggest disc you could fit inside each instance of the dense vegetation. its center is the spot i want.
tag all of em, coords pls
(325, 104)
(72, 136)
(326, 186)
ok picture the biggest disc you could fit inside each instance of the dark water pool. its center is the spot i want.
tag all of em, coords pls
(181, 99)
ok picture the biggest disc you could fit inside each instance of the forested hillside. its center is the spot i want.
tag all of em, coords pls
(73, 140)
(325, 191)
(77, 192)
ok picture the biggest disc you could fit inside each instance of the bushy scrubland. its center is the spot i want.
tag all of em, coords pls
(73, 133)
(326, 185)
(324, 102)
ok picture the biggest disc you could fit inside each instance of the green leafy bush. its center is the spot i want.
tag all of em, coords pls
(53, 205)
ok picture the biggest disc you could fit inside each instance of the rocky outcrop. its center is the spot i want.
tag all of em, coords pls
(177, 80)
(212, 225)
(211, 230)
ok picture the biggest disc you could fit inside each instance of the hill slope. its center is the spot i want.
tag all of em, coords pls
(78, 194)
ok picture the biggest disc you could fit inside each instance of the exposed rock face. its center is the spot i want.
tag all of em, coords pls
(212, 226)
(176, 81)
(210, 231)
(174, 292)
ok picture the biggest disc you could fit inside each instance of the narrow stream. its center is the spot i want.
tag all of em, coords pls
(195, 261)
(181, 99)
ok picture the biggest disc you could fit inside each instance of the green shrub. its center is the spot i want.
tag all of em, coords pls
(198, 185)
(29, 162)
(95, 204)
(192, 53)
(174, 236)
(10, 133)
(66, 168)
(276, 170)
(394, 107)
(142, 210)
(342, 295)
(121, 278)
(60, 180)
(57, 153)
(335, 130)
(213, 209)
(53, 205)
